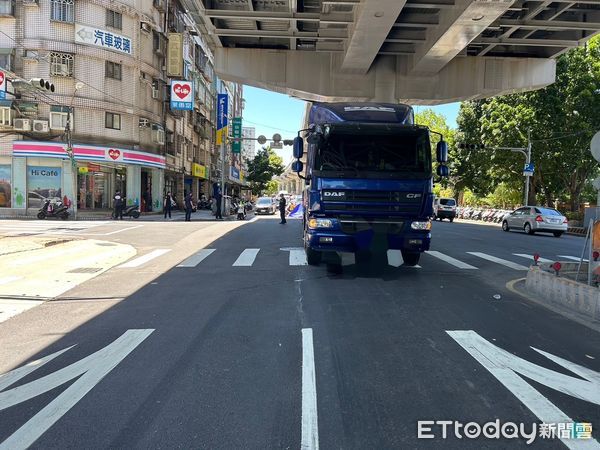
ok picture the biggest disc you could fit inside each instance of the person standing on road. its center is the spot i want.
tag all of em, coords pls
(188, 207)
(282, 203)
(168, 204)
(118, 206)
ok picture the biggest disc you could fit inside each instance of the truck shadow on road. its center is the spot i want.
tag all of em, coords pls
(375, 266)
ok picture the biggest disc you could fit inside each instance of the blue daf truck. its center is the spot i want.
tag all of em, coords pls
(369, 180)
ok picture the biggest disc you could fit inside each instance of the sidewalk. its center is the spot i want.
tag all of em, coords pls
(179, 216)
(18, 244)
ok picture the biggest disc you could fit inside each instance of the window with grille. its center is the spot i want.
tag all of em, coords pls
(61, 64)
(7, 8)
(6, 59)
(62, 10)
(113, 70)
(112, 121)
(114, 19)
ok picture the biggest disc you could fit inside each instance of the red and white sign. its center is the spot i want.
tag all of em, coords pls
(113, 154)
(182, 91)
(2, 84)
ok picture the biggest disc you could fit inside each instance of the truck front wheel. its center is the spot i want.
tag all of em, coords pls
(313, 257)
(410, 258)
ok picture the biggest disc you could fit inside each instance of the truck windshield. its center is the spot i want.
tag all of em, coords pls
(406, 155)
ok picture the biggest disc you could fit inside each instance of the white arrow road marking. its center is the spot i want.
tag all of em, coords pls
(507, 368)
(15, 375)
(297, 256)
(137, 262)
(500, 261)
(310, 420)
(247, 257)
(196, 259)
(451, 260)
(92, 369)
(530, 258)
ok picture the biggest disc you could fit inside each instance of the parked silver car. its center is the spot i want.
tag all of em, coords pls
(532, 219)
(265, 205)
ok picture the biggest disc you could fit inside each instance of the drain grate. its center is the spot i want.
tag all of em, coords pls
(85, 270)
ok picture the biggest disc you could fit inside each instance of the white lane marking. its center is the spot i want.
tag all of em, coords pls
(253, 219)
(91, 368)
(113, 232)
(530, 258)
(347, 258)
(6, 280)
(137, 262)
(500, 261)
(247, 257)
(506, 367)
(15, 375)
(572, 258)
(450, 260)
(197, 258)
(297, 256)
(310, 420)
(394, 258)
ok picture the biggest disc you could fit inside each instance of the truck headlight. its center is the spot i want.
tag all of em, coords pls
(319, 223)
(421, 225)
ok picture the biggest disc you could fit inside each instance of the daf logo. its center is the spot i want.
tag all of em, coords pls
(333, 194)
(413, 195)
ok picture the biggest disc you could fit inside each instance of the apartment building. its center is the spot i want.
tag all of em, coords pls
(113, 66)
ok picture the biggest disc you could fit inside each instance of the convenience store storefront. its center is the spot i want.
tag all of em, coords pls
(40, 170)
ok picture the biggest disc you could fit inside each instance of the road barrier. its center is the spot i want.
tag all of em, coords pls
(567, 294)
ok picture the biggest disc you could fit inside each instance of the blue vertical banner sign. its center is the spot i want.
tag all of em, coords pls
(222, 105)
(2, 85)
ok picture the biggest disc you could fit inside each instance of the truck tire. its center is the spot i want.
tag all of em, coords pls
(410, 258)
(313, 257)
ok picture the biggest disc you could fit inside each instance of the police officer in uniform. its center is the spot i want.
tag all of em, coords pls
(282, 204)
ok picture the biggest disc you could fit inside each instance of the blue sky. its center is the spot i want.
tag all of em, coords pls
(271, 113)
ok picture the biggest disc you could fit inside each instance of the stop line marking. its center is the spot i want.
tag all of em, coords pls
(137, 262)
(247, 257)
(450, 260)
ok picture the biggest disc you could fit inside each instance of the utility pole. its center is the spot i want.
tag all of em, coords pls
(69, 149)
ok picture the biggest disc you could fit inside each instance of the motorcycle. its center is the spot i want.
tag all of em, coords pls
(57, 209)
(129, 211)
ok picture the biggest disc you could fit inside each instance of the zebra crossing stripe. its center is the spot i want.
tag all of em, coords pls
(572, 258)
(137, 262)
(197, 258)
(247, 257)
(450, 260)
(530, 257)
(297, 256)
(500, 261)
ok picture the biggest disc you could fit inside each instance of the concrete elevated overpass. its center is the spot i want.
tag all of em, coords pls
(414, 51)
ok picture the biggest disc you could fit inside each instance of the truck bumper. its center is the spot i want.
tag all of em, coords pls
(337, 241)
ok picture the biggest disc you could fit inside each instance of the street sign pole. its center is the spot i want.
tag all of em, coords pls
(528, 161)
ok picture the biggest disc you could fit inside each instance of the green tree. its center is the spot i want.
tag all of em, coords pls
(562, 118)
(265, 165)
(504, 196)
(272, 187)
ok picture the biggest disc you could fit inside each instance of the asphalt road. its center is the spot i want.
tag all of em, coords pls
(223, 366)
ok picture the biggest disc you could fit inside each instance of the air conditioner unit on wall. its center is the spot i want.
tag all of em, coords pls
(145, 26)
(143, 122)
(40, 126)
(21, 124)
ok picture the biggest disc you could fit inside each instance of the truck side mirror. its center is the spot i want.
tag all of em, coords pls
(297, 166)
(298, 147)
(443, 171)
(442, 152)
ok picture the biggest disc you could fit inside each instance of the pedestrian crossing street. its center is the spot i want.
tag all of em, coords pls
(50, 226)
(253, 257)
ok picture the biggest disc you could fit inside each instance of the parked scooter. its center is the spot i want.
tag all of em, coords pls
(129, 211)
(50, 209)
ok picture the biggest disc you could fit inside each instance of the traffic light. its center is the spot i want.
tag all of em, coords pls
(40, 83)
(464, 146)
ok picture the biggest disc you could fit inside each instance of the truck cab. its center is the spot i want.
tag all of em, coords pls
(368, 178)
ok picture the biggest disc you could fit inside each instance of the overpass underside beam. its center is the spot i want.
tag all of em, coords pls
(318, 76)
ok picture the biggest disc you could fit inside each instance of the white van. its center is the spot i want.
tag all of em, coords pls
(444, 208)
